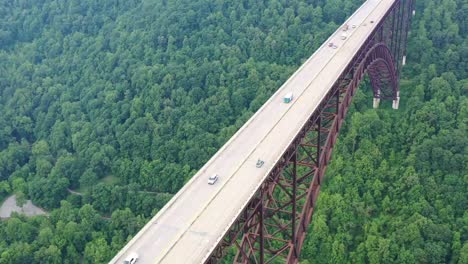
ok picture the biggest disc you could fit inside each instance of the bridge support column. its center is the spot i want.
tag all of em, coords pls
(294, 206)
(376, 103)
(396, 101)
(261, 236)
(376, 99)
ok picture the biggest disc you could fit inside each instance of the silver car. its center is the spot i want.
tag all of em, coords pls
(213, 179)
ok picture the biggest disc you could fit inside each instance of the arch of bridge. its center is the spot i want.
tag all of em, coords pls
(380, 66)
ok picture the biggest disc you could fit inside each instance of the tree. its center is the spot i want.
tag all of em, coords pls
(89, 178)
(50, 254)
(20, 199)
(17, 253)
(5, 189)
(97, 251)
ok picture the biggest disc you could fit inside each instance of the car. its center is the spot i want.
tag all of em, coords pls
(213, 179)
(131, 259)
(259, 163)
(288, 98)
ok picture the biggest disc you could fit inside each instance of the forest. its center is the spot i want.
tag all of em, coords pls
(108, 107)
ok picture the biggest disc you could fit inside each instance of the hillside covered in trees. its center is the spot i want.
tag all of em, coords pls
(108, 107)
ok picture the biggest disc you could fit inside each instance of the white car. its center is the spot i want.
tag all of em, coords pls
(131, 259)
(212, 179)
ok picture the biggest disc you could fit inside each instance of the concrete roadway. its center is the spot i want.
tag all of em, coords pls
(189, 227)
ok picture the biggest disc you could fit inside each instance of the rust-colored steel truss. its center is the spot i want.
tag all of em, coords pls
(272, 227)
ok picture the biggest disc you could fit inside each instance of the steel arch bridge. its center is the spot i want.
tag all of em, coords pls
(263, 213)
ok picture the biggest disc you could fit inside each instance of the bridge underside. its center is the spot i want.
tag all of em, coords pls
(273, 225)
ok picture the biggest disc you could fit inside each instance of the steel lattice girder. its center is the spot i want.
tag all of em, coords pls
(274, 223)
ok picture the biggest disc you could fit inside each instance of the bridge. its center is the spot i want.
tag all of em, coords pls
(262, 211)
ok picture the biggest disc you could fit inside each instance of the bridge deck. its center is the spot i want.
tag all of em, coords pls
(188, 228)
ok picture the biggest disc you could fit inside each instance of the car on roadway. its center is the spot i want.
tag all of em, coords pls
(259, 163)
(213, 179)
(288, 98)
(131, 259)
